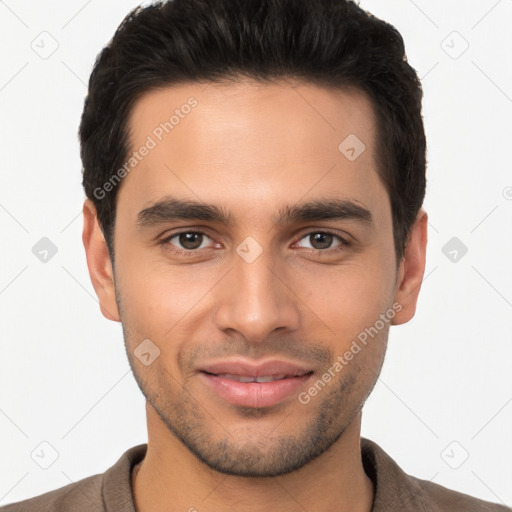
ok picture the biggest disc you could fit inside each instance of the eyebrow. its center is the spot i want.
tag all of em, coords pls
(171, 209)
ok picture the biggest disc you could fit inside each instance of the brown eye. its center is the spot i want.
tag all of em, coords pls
(190, 240)
(322, 240)
(187, 241)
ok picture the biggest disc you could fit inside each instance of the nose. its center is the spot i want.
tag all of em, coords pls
(257, 299)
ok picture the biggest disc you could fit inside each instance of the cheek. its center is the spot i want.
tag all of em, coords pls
(150, 290)
(162, 302)
(348, 298)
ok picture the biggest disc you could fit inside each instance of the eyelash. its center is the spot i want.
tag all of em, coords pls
(193, 252)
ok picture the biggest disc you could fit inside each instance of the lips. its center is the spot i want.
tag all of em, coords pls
(240, 368)
(247, 384)
(244, 378)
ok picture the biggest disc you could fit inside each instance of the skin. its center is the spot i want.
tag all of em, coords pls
(251, 149)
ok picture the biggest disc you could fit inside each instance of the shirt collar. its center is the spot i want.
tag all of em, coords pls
(393, 489)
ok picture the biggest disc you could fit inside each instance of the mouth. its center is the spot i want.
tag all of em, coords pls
(246, 384)
(248, 378)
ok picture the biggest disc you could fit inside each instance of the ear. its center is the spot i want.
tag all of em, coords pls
(98, 262)
(411, 271)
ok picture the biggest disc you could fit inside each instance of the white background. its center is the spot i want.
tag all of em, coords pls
(445, 392)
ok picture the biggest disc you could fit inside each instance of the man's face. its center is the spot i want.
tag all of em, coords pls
(264, 287)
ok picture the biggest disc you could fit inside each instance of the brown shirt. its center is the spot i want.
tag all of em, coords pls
(394, 490)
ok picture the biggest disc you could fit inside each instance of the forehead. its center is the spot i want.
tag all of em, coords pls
(249, 144)
(250, 111)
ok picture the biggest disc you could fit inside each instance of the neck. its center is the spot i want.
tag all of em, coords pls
(171, 478)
